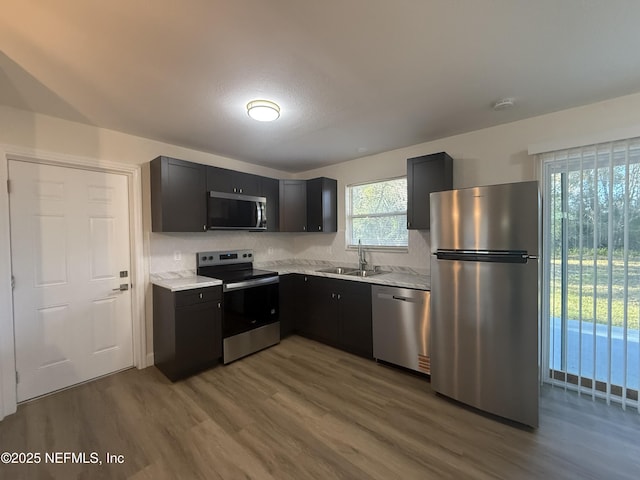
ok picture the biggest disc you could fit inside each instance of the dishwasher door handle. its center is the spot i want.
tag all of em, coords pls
(387, 296)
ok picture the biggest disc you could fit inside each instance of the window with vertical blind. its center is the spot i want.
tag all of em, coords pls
(377, 214)
(591, 296)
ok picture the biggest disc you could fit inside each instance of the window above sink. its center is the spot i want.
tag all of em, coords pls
(377, 214)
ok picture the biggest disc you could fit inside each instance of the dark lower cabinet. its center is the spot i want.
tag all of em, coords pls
(332, 311)
(321, 315)
(187, 330)
(291, 291)
(354, 311)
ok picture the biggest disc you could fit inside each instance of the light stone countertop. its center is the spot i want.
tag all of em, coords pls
(186, 280)
(393, 276)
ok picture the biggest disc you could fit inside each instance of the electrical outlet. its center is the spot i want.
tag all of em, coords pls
(177, 255)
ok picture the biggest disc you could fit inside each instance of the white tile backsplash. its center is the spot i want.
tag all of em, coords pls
(171, 252)
(332, 247)
(163, 247)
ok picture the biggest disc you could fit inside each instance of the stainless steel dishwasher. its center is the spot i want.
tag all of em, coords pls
(401, 327)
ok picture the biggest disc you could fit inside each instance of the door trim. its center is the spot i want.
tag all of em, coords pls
(139, 264)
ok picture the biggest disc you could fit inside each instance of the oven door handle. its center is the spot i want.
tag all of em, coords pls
(255, 282)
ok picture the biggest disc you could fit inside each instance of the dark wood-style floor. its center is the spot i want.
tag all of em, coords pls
(301, 410)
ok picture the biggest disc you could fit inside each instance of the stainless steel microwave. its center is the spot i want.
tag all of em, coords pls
(232, 211)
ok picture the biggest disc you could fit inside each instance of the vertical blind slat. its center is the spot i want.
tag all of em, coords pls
(564, 181)
(587, 187)
(595, 272)
(625, 288)
(580, 272)
(610, 274)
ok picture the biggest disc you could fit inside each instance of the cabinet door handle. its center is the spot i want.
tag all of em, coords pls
(320, 227)
(235, 190)
(408, 224)
(333, 295)
(200, 295)
(219, 305)
(240, 190)
(204, 228)
(304, 229)
(339, 297)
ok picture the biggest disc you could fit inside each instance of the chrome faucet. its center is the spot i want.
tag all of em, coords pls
(362, 261)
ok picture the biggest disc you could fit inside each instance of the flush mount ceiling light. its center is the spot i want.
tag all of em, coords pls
(263, 110)
(504, 103)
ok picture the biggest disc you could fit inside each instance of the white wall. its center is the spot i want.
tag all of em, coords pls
(483, 157)
(267, 247)
(26, 129)
(34, 132)
(493, 155)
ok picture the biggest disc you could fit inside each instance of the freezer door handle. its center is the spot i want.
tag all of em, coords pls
(483, 256)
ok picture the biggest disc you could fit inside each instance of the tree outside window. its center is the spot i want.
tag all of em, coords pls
(377, 213)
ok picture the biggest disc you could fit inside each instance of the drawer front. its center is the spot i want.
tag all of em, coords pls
(200, 295)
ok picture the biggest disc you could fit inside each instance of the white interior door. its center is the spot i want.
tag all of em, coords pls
(69, 245)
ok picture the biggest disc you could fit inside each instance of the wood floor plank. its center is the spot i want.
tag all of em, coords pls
(303, 410)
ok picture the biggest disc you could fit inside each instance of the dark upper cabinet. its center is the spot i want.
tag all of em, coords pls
(322, 205)
(178, 196)
(187, 330)
(179, 192)
(270, 189)
(309, 205)
(293, 205)
(232, 181)
(426, 174)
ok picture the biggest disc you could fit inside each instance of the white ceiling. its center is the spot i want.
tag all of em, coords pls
(352, 77)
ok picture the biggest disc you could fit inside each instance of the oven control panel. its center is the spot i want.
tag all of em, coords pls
(205, 259)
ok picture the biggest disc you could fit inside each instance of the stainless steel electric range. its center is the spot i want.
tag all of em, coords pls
(250, 302)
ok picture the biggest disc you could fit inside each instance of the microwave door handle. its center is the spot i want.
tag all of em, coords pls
(263, 215)
(258, 215)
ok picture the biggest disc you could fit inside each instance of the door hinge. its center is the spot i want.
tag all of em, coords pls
(8, 186)
(13, 282)
(17, 377)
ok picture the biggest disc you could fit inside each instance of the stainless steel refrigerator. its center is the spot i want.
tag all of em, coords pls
(484, 298)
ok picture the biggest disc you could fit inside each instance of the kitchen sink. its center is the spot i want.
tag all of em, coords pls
(364, 273)
(338, 270)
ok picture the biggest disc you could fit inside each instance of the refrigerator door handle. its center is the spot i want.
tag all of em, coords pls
(483, 256)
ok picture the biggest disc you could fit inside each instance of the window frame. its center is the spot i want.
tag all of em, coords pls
(349, 217)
